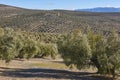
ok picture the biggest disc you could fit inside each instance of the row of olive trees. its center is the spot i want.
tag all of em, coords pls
(14, 44)
(81, 50)
(76, 48)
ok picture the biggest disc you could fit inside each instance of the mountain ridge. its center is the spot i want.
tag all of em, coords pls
(100, 9)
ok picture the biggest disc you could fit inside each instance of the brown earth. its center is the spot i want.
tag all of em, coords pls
(37, 69)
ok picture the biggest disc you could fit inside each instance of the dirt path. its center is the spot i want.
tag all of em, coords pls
(25, 70)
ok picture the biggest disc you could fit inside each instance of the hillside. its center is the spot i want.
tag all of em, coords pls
(56, 21)
(49, 45)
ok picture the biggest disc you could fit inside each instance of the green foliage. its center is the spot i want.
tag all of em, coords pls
(105, 52)
(8, 46)
(28, 50)
(75, 49)
(80, 51)
(21, 44)
(47, 49)
(97, 45)
(1, 32)
(110, 60)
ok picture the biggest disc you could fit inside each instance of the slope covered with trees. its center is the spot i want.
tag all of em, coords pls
(57, 21)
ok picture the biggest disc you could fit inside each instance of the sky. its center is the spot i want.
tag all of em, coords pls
(61, 4)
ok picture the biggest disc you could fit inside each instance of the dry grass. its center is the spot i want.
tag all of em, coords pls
(49, 64)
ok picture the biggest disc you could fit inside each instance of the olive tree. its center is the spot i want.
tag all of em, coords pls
(8, 45)
(75, 49)
(28, 49)
(110, 60)
(97, 44)
(105, 52)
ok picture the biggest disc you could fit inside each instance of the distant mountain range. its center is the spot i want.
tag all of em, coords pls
(100, 9)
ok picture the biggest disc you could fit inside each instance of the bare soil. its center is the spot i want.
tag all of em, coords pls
(31, 70)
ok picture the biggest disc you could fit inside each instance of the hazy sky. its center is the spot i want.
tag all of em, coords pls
(61, 4)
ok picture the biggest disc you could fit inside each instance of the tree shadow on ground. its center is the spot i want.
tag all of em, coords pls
(51, 73)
